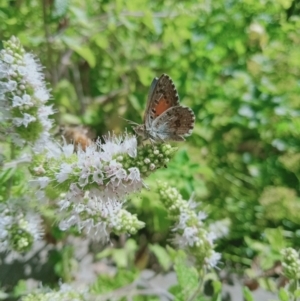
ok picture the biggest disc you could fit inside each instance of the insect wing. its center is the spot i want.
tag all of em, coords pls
(150, 96)
(175, 123)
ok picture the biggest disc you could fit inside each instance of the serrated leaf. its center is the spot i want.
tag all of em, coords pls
(187, 276)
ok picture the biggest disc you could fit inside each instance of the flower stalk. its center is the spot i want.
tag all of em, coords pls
(190, 233)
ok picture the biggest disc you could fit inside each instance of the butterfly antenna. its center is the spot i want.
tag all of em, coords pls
(130, 121)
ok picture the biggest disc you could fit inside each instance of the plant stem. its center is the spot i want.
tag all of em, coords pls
(296, 289)
(50, 64)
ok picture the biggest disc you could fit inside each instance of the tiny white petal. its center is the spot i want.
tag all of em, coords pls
(8, 58)
(26, 99)
(213, 259)
(21, 70)
(17, 101)
(64, 172)
(12, 85)
(134, 174)
(68, 149)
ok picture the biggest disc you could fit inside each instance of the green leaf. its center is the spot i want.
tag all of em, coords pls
(293, 286)
(20, 288)
(84, 51)
(247, 294)
(101, 41)
(255, 245)
(187, 276)
(162, 256)
(87, 54)
(145, 75)
(6, 174)
(286, 4)
(148, 20)
(120, 258)
(135, 103)
(71, 119)
(106, 283)
(297, 293)
(105, 253)
(283, 295)
(217, 285)
(275, 238)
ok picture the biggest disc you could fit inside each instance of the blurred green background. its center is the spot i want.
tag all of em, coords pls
(235, 63)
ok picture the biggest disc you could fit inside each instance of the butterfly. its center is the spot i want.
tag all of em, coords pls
(165, 119)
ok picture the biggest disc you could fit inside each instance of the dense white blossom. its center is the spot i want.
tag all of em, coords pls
(23, 97)
(190, 233)
(66, 292)
(94, 182)
(19, 228)
(88, 186)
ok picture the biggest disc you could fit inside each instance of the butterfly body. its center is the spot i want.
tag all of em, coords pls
(165, 119)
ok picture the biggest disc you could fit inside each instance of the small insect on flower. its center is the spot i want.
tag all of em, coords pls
(78, 136)
(165, 119)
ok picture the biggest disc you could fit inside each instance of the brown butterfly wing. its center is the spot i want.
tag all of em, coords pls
(174, 124)
(162, 96)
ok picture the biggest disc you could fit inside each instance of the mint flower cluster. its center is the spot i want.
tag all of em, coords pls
(88, 186)
(18, 229)
(91, 185)
(190, 233)
(291, 263)
(23, 96)
(65, 293)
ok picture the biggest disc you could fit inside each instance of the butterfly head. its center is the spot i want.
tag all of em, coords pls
(140, 130)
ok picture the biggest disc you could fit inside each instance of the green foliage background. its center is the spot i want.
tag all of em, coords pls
(235, 63)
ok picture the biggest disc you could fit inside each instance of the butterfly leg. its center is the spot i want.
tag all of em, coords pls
(144, 139)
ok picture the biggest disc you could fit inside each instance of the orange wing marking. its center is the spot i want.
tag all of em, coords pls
(163, 105)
